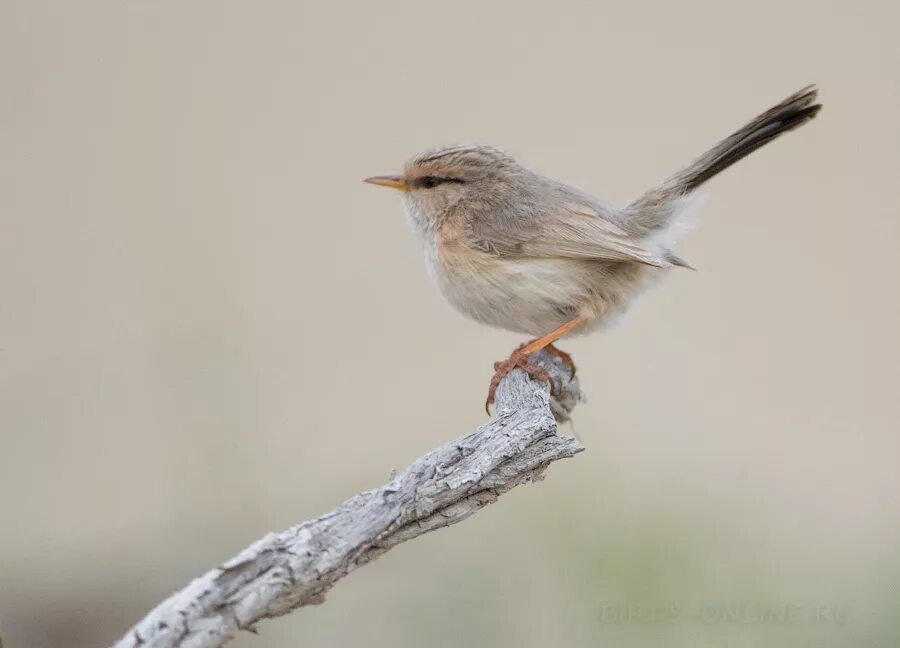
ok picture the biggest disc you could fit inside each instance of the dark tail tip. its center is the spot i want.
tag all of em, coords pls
(794, 111)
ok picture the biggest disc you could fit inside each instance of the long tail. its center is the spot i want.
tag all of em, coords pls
(656, 207)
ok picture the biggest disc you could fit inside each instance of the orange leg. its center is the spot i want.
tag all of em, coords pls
(519, 358)
(536, 345)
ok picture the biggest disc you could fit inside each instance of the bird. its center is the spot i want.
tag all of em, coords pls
(514, 249)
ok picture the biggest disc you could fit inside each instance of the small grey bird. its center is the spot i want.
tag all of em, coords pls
(514, 249)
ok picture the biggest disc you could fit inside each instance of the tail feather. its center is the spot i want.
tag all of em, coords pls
(794, 111)
(656, 208)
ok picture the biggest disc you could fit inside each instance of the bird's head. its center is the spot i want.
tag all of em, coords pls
(455, 179)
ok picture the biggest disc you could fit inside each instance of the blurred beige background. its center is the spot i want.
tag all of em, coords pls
(203, 306)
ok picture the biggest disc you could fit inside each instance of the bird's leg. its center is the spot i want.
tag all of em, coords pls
(519, 359)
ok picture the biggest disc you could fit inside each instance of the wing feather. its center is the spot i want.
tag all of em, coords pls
(577, 231)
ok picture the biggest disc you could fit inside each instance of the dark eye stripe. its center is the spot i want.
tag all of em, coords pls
(429, 182)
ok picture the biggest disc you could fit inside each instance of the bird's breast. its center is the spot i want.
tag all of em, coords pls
(531, 296)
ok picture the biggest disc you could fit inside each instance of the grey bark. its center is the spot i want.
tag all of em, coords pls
(287, 570)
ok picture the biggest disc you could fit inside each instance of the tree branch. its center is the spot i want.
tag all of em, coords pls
(296, 567)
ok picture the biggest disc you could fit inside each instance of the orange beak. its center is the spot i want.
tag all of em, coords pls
(393, 181)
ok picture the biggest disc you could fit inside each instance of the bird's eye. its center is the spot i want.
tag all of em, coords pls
(429, 182)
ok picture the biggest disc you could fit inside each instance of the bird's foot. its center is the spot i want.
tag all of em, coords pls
(564, 357)
(519, 360)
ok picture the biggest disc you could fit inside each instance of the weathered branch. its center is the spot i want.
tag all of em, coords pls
(296, 567)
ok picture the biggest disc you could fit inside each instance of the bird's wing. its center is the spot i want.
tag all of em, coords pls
(570, 230)
(582, 233)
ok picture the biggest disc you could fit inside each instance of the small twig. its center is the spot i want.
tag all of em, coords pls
(296, 567)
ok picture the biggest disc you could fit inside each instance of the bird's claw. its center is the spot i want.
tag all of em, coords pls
(517, 360)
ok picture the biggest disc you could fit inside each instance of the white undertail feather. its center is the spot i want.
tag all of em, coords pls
(684, 213)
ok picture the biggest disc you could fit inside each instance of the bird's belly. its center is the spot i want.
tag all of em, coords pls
(535, 295)
(531, 296)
